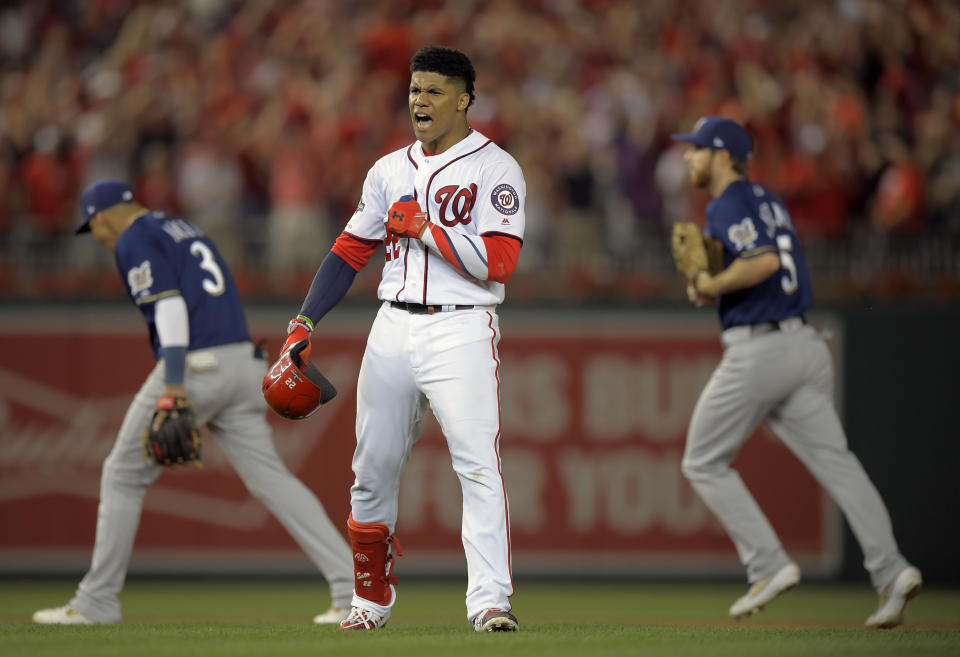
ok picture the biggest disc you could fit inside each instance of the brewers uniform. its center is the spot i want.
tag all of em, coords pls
(775, 368)
(163, 258)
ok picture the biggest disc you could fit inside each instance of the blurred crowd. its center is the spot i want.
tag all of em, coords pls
(258, 121)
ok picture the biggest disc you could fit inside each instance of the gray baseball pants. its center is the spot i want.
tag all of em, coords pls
(784, 377)
(226, 396)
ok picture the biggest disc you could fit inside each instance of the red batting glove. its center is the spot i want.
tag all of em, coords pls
(406, 218)
(297, 331)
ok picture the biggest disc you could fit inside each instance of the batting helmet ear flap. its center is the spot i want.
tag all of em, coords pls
(295, 388)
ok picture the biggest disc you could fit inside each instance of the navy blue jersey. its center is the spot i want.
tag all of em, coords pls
(160, 256)
(749, 220)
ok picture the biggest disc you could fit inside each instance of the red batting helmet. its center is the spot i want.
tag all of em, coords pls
(295, 388)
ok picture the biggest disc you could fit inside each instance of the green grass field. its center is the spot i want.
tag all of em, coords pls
(244, 618)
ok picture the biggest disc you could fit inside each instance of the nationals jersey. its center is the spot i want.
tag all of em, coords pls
(160, 256)
(749, 220)
(474, 187)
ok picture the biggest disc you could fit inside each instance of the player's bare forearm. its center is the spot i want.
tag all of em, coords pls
(742, 273)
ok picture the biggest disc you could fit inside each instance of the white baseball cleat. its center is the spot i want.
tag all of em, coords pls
(65, 615)
(766, 590)
(363, 619)
(333, 615)
(893, 601)
(495, 620)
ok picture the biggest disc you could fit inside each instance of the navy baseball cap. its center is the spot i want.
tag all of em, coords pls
(98, 197)
(720, 132)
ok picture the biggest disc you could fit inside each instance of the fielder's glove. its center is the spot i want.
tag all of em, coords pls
(714, 254)
(689, 250)
(172, 437)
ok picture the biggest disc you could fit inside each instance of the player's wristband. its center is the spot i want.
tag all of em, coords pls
(423, 228)
(303, 319)
(300, 321)
(174, 365)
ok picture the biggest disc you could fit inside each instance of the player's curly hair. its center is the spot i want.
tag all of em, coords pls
(445, 61)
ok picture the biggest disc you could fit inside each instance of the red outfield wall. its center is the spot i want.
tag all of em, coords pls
(593, 420)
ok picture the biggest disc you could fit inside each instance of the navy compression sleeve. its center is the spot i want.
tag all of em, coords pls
(333, 279)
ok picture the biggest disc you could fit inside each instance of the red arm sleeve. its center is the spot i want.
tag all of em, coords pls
(354, 250)
(502, 253)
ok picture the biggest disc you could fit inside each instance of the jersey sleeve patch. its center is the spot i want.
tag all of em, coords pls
(140, 278)
(743, 235)
(505, 199)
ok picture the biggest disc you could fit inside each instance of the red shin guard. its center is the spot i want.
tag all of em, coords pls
(372, 561)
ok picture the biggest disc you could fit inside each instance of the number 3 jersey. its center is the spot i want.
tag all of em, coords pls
(160, 256)
(749, 220)
(474, 187)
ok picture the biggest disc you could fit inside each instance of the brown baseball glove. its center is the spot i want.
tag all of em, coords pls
(689, 250)
(714, 254)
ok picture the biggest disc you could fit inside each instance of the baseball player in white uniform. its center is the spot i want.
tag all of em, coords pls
(449, 211)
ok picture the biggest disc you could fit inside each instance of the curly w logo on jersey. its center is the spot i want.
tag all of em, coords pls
(743, 235)
(457, 202)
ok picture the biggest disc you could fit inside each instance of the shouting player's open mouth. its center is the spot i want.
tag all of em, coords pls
(422, 121)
